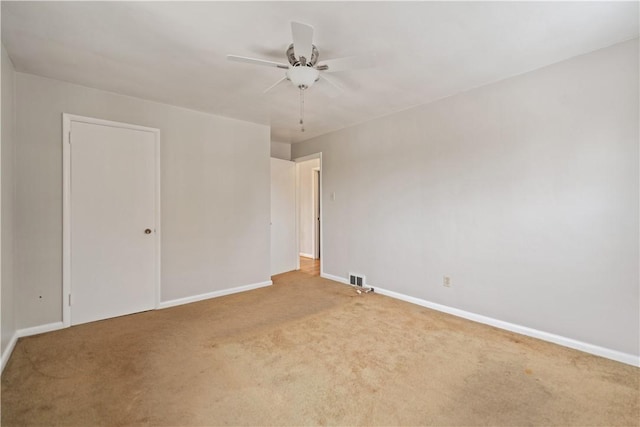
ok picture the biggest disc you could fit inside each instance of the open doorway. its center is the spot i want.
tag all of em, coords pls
(309, 213)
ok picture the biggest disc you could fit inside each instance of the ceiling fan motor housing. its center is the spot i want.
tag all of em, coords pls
(291, 56)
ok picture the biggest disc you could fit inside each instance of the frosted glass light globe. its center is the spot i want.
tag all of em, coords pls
(302, 77)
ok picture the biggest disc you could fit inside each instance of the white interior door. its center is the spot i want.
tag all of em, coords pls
(112, 220)
(283, 216)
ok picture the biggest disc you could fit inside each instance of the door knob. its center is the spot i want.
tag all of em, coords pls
(147, 231)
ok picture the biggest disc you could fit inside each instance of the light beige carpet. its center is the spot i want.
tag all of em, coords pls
(308, 351)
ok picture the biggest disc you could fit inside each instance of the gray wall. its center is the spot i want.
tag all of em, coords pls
(215, 194)
(8, 147)
(525, 192)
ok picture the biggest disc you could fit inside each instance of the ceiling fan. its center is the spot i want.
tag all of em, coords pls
(303, 69)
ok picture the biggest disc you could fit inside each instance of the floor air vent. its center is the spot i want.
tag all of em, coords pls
(359, 283)
(356, 280)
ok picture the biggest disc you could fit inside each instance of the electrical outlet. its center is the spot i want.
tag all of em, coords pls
(446, 281)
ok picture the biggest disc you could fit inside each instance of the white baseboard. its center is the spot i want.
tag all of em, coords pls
(59, 325)
(214, 294)
(618, 356)
(40, 329)
(302, 254)
(334, 278)
(608, 353)
(6, 354)
(26, 332)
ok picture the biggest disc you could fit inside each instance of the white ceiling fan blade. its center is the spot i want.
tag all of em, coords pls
(333, 89)
(255, 61)
(348, 63)
(275, 84)
(302, 40)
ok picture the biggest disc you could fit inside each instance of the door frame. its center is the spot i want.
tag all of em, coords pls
(315, 179)
(67, 119)
(299, 160)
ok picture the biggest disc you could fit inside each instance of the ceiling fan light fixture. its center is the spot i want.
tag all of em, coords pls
(303, 77)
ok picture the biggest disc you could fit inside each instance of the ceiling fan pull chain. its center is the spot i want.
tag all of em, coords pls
(301, 109)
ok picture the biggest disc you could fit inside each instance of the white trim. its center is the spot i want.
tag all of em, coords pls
(297, 216)
(317, 155)
(158, 224)
(619, 356)
(214, 294)
(66, 205)
(27, 332)
(166, 304)
(309, 157)
(40, 329)
(6, 354)
(607, 353)
(302, 254)
(66, 219)
(322, 227)
(334, 278)
(315, 207)
(35, 330)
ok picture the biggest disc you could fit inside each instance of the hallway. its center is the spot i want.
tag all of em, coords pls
(310, 266)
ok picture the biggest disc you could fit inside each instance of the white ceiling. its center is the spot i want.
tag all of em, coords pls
(174, 52)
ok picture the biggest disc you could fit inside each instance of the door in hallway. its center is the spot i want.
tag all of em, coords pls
(112, 214)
